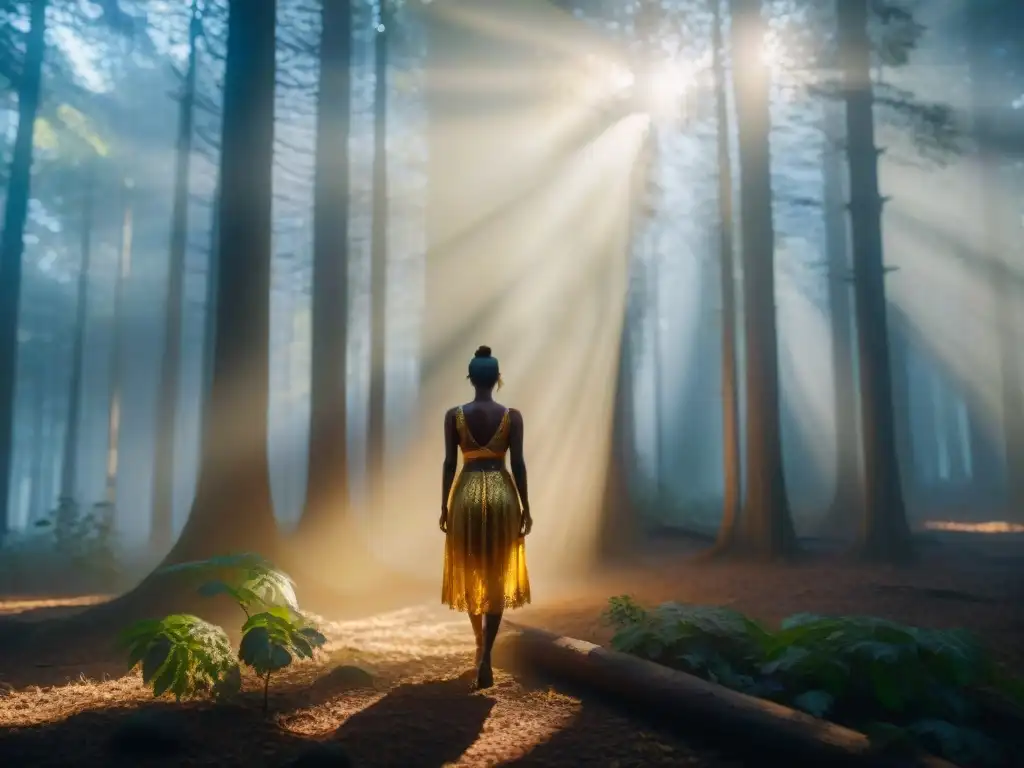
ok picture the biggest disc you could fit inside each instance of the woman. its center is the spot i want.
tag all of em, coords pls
(484, 515)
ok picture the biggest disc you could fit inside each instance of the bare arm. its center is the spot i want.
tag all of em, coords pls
(451, 453)
(518, 464)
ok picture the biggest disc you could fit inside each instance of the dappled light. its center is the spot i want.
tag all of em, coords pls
(991, 526)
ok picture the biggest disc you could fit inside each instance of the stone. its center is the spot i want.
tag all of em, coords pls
(345, 678)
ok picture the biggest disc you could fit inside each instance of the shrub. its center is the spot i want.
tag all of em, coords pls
(75, 543)
(903, 686)
(188, 657)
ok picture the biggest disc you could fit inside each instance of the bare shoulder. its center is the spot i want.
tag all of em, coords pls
(515, 416)
(450, 414)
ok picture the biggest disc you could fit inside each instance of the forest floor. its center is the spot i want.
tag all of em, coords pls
(419, 709)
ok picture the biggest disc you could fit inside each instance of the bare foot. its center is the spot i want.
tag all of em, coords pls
(484, 676)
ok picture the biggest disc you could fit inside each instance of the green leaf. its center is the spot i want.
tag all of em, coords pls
(140, 630)
(798, 620)
(787, 660)
(216, 587)
(817, 703)
(886, 737)
(313, 636)
(256, 648)
(155, 658)
(886, 688)
(301, 647)
(956, 742)
(173, 673)
(279, 657)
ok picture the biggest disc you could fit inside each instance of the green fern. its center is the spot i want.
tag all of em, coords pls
(184, 656)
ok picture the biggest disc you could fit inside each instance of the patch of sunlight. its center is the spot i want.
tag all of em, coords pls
(990, 526)
(404, 635)
(16, 605)
(36, 705)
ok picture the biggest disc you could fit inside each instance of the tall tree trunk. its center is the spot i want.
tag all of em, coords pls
(124, 267)
(989, 112)
(210, 325)
(727, 296)
(233, 507)
(39, 500)
(766, 526)
(842, 515)
(12, 243)
(376, 441)
(161, 521)
(69, 466)
(903, 421)
(327, 483)
(886, 534)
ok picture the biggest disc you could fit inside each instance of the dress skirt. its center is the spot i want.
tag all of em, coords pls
(484, 555)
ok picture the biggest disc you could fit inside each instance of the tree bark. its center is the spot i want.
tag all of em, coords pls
(766, 526)
(233, 509)
(39, 501)
(327, 483)
(903, 421)
(847, 501)
(378, 272)
(162, 526)
(69, 467)
(210, 326)
(12, 242)
(886, 534)
(727, 288)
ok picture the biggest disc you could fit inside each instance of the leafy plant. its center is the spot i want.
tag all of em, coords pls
(85, 536)
(186, 656)
(904, 686)
(183, 655)
(272, 638)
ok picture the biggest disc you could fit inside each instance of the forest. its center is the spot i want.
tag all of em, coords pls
(753, 270)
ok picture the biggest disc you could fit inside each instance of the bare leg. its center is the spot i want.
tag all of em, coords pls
(477, 620)
(485, 675)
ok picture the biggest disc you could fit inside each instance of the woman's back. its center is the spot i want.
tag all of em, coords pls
(483, 420)
(483, 427)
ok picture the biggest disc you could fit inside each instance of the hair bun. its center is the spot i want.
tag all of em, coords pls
(483, 351)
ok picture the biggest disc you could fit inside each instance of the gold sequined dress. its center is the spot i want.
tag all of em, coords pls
(484, 555)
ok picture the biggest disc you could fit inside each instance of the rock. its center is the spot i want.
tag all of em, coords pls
(149, 734)
(323, 754)
(345, 678)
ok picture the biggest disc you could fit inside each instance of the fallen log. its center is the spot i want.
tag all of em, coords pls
(734, 721)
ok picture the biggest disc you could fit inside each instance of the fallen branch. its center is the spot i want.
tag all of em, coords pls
(742, 723)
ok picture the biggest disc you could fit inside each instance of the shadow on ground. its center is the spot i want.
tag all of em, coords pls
(419, 724)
